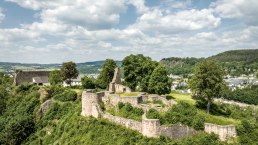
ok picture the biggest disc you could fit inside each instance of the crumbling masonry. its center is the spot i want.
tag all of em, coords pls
(148, 127)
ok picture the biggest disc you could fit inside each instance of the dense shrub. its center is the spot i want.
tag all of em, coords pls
(17, 123)
(88, 82)
(18, 129)
(26, 88)
(126, 110)
(68, 95)
(248, 132)
(55, 90)
(181, 113)
(3, 99)
(247, 95)
(198, 122)
(154, 114)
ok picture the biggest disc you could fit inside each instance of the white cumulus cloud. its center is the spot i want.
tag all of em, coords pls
(160, 21)
(245, 10)
(2, 16)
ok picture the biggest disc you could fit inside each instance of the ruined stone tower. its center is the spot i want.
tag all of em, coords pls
(117, 76)
(89, 103)
(116, 84)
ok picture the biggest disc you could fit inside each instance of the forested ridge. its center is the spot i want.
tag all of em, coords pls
(247, 55)
(236, 62)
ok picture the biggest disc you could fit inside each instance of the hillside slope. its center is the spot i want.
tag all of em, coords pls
(63, 124)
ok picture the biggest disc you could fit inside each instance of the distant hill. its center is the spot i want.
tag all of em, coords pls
(235, 62)
(180, 66)
(84, 68)
(247, 56)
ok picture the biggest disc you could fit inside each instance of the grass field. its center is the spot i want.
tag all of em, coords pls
(183, 97)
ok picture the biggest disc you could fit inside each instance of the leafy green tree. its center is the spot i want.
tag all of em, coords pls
(137, 71)
(159, 81)
(69, 72)
(55, 77)
(207, 82)
(106, 74)
(88, 82)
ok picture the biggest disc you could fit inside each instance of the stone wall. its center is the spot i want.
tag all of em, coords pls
(150, 127)
(129, 123)
(224, 132)
(134, 100)
(177, 131)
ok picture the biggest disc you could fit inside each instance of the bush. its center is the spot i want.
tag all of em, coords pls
(17, 130)
(247, 95)
(120, 105)
(26, 88)
(88, 82)
(128, 107)
(181, 113)
(248, 132)
(55, 90)
(153, 114)
(128, 111)
(68, 95)
(198, 122)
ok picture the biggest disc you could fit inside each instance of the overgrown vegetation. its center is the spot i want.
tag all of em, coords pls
(126, 110)
(181, 113)
(17, 122)
(67, 95)
(63, 124)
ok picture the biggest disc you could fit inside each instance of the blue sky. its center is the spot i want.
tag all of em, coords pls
(36, 31)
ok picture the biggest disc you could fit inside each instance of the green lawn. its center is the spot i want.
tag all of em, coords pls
(183, 97)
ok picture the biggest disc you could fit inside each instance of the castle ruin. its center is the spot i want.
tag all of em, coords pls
(116, 84)
(148, 127)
